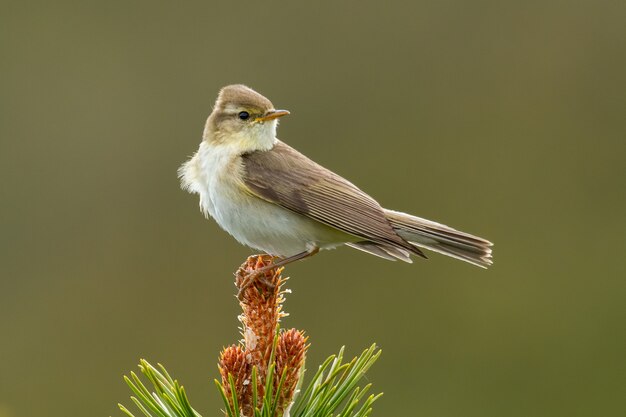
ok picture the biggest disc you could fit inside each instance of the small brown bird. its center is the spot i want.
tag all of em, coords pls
(272, 198)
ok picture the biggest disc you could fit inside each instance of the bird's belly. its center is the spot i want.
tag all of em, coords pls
(271, 228)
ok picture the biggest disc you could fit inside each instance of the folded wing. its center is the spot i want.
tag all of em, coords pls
(285, 177)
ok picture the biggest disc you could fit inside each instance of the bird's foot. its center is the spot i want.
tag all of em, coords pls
(262, 265)
(258, 268)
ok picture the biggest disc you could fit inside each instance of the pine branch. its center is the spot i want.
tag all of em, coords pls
(262, 374)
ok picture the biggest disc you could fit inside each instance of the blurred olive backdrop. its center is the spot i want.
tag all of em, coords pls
(505, 119)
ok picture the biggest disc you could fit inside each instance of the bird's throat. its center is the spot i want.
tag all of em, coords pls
(258, 137)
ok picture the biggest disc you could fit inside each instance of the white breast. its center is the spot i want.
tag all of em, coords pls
(215, 173)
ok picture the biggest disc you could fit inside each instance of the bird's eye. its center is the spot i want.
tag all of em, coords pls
(244, 115)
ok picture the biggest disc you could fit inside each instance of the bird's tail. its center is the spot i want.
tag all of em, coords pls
(440, 238)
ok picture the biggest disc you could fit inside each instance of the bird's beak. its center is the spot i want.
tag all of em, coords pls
(272, 114)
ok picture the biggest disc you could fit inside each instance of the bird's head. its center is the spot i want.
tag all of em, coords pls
(244, 119)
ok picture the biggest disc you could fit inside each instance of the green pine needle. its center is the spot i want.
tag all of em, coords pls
(333, 391)
(168, 398)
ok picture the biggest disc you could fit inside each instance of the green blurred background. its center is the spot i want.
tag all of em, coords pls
(504, 119)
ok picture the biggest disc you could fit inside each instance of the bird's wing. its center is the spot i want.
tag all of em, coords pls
(285, 177)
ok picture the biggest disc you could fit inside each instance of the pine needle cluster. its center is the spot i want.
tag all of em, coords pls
(261, 376)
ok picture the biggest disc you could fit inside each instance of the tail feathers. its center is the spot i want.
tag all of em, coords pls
(441, 238)
(391, 253)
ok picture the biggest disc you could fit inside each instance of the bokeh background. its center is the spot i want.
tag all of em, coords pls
(504, 119)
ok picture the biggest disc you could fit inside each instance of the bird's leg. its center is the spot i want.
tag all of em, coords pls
(253, 276)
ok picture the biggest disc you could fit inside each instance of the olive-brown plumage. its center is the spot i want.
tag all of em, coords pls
(271, 197)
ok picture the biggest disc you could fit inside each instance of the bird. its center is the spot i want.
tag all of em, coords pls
(272, 198)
